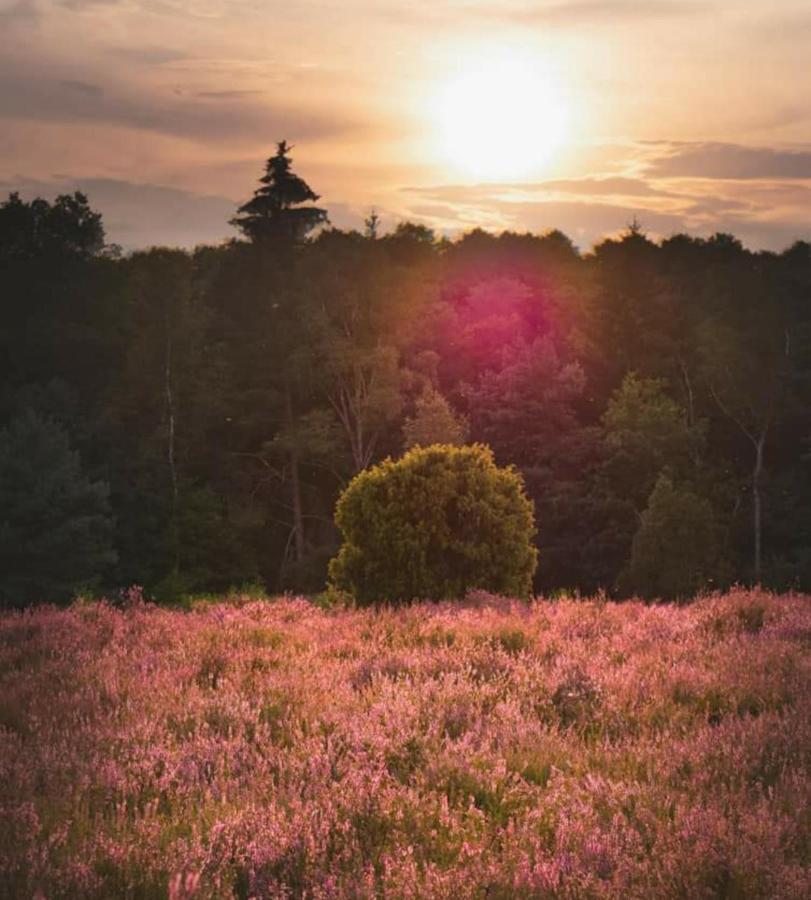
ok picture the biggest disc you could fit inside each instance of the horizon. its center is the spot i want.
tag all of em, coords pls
(689, 117)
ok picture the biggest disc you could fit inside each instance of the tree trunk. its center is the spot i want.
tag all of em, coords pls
(298, 517)
(295, 486)
(756, 501)
(758, 441)
(170, 442)
(688, 387)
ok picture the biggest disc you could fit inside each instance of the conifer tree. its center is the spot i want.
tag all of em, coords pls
(55, 523)
(275, 212)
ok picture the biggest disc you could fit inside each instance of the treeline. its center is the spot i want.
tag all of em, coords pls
(186, 421)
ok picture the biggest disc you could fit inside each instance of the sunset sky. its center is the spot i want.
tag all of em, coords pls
(579, 115)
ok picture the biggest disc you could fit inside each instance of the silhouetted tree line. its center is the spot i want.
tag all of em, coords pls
(186, 420)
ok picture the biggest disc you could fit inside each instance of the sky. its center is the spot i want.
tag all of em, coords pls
(582, 115)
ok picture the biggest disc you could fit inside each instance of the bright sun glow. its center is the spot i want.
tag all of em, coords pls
(501, 119)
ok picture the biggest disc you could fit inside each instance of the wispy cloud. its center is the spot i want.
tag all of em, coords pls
(83, 87)
(18, 12)
(550, 13)
(718, 160)
(594, 12)
(247, 114)
(767, 214)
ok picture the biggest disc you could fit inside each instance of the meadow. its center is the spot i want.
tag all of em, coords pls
(482, 749)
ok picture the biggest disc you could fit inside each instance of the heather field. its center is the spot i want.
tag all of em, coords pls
(483, 749)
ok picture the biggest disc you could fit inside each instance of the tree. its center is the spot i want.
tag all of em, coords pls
(66, 227)
(53, 315)
(526, 408)
(365, 393)
(434, 422)
(359, 306)
(645, 431)
(55, 524)
(747, 370)
(276, 219)
(629, 309)
(528, 413)
(275, 212)
(432, 525)
(164, 406)
(371, 225)
(677, 549)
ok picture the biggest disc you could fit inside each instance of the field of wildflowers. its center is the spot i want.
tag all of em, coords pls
(482, 749)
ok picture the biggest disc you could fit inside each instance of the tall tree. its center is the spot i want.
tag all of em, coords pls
(755, 361)
(747, 375)
(278, 217)
(277, 211)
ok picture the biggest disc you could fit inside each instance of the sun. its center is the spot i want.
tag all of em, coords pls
(501, 119)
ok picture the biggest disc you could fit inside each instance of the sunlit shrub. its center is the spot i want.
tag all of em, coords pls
(432, 525)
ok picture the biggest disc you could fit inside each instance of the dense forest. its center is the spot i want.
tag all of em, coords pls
(185, 421)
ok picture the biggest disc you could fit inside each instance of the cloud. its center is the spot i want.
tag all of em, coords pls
(609, 186)
(78, 5)
(579, 13)
(729, 161)
(142, 215)
(150, 55)
(18, 13)
(588, 222)
(26, 94)
(83, 87)
(346, 216)
(584, 220)
(598, 12)
(595, 186)
(225, 95)
(771, 221)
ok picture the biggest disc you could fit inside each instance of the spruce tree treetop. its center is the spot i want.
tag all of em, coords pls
(275, 212)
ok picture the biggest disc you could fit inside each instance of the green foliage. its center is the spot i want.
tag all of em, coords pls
(645, 431)
(55, 524)
(676, 551)
(434, 524)
(434, 422)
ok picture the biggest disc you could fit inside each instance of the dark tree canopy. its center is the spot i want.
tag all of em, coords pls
(38, 229)
(276, 210)
(55, 523)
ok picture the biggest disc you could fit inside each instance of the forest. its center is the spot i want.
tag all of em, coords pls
(185, 421)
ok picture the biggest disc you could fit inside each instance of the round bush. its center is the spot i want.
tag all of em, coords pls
(432, 525)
